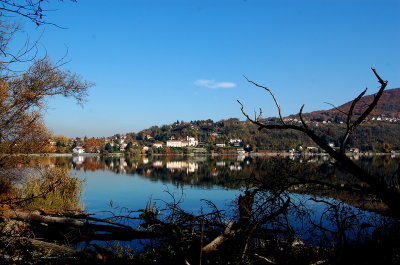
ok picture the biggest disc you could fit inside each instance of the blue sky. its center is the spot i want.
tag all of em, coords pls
(155, 62)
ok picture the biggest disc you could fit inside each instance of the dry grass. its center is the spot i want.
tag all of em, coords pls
(53, 190)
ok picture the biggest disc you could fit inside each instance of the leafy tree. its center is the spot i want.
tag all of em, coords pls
(128, 147)
(62, 140)
(108, 148)
(92, 145)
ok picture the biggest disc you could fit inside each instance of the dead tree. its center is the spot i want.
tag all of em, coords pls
(389, 195)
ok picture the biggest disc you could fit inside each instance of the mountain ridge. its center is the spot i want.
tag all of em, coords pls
(388, 105)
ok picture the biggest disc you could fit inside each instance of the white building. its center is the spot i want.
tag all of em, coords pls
(122, 147)
(192, 141)
(158, 144)
(174, 143)
(232, 141)
(78, 150)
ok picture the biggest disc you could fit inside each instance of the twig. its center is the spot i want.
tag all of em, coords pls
(272, 95)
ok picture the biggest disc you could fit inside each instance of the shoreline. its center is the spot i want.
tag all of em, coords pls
(252, 154)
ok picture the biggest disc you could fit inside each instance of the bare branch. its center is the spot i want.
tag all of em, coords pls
(273, 96)
(29, 9)
(336, 108)
(301, 118)
(349, 126)
(391, 197)
(352, 126)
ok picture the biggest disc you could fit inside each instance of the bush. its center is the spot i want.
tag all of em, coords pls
(53, 189)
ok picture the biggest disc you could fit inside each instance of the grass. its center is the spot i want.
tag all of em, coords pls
(53, 190)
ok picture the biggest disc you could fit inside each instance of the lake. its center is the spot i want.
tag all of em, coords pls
(115, 186)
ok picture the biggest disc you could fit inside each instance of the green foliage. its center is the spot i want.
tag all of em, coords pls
(109, 148)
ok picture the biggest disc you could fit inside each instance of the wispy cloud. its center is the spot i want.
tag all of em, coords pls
(214, 84)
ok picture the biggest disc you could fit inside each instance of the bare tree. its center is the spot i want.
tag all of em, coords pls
(389, 194)
(33, 10)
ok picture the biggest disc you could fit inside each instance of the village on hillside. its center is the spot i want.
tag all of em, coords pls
(232, 136)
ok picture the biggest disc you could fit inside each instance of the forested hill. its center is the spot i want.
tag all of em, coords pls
(379, 133)
(388, 106)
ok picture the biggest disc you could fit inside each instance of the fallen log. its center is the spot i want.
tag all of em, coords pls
(84, 228)
(213, 245)
(55, 248)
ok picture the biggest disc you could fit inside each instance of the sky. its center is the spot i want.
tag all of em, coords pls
(156, 62)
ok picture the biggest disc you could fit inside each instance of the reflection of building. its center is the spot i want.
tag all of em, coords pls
(240, 158)
(220, 163)
(157, 163)
(78, 159)
(122, 162)
(235, 167)
(190, 167)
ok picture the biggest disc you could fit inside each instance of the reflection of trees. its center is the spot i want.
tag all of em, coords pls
(278, 219)
(305, 175)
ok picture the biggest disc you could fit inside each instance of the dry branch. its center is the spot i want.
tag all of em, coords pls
(213, 245)
(390, 196)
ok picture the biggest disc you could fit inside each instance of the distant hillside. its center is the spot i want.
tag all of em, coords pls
(388, 106)
(378, 134)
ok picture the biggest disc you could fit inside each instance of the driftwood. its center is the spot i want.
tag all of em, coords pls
(213, 245)
(87, 230)
(56, 249)
(242, 227)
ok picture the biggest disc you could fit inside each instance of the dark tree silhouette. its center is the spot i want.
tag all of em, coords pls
(378, 185)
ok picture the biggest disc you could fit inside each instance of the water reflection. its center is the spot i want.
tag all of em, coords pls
(314, 199)
(307, 175)
(209, 168)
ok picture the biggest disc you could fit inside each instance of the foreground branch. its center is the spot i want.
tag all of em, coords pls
(390, 196)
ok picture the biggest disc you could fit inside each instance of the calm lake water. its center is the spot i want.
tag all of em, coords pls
(117, 185)
(131, 182)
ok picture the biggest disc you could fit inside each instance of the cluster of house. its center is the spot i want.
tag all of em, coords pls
(385, 119)
(190, 141)
(381, 118)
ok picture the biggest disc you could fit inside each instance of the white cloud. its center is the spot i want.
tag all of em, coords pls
(214, 84)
